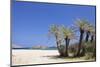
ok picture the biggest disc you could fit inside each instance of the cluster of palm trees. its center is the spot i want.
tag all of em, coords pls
(86, 30)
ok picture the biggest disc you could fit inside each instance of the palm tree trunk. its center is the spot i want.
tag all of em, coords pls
(87, 36)
(67, 44)
(92, 37)
(80, 42)
(66, 52)
(60, 52)
(68, 41)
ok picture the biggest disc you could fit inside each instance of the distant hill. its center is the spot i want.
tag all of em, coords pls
(43, 47)
(39, 47)
(16, 46)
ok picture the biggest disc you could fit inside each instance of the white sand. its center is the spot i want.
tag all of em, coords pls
(24, 57)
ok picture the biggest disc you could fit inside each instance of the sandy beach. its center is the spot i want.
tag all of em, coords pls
(24, 57)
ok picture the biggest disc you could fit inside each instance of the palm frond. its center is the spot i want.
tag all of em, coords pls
(67, 32)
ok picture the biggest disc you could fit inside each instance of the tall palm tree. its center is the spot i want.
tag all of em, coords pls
(68, 34)
(54, 29)
(81, 26)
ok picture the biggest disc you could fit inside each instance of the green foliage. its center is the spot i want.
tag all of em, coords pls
(67, 32)
(89, 56)
(89, 47)
(90, 50)
(81, 24)
(54, 29)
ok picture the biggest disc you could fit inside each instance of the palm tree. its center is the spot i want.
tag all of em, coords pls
(54, 29)
(68, 34)
(89, 29)
(92, 34)
(92, 40)
(81, 26)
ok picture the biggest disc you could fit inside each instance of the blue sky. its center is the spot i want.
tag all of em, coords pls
(31, 20)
